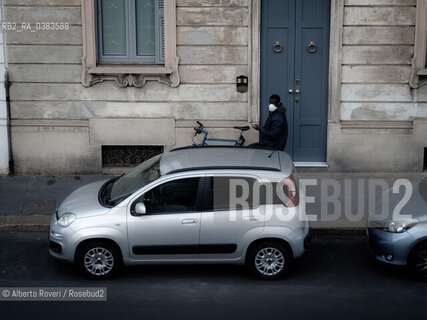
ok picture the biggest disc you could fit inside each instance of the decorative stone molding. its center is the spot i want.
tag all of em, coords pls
(363, 127)
(130, 80)
(419, 70)
(132, 75)
(125, 75)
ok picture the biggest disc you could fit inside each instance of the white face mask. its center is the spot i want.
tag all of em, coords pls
(272, 107)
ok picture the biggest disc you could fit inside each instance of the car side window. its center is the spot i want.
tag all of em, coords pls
(217, 195)
(171, 197)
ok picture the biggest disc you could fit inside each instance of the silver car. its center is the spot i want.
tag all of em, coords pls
(190, 205)
(403, 241)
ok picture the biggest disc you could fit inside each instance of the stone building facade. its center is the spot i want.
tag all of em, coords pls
(350, 73)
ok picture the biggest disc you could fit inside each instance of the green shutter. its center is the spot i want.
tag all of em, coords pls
(145, 14)
(160, 31)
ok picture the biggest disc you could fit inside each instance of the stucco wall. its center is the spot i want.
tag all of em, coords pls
(378, 44)
(55, 118)
(58, 125)
(378, 108)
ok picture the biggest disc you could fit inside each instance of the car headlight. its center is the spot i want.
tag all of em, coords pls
(400, 226)
(66, 219)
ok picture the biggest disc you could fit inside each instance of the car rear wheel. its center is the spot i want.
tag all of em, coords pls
(417, 261)
(99, 260)
(269, 260)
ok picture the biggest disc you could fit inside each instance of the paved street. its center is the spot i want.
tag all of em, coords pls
(17, 191)
(335, 279)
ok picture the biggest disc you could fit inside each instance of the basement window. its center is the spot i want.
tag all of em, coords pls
(128, 156)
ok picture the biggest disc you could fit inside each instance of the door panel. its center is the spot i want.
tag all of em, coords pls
(223, 230)
(310, 116)
(164, 236)
(217, 230)
(166, 232)
(300, 22)
(277, 75)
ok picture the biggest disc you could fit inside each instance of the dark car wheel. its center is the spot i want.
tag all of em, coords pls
(269, 260)
(99, 260)
(417, 261)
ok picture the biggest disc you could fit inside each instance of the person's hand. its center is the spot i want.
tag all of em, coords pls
(255, 126)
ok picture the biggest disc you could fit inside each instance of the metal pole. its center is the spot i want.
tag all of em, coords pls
(9, 131)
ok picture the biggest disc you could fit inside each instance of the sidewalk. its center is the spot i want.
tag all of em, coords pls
(27, 202)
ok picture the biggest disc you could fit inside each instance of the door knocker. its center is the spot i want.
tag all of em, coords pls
(278, 47)
(312, 47)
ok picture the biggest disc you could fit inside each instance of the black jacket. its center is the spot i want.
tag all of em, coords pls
(275, 131)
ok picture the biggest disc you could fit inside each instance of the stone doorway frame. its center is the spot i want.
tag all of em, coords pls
(335, 63)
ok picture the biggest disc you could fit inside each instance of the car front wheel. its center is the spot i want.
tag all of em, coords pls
(269, 260)
(99, 260)
(417, 261)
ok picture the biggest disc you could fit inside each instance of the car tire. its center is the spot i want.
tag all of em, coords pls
(269, 260)
(417, 262)
(99, 260)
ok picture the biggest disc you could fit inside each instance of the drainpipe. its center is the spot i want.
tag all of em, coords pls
(9, 131)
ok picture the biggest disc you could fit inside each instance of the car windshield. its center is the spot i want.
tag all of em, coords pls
(146, 172)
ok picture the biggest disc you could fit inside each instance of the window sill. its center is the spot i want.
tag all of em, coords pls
(422, 72)
(130, 69)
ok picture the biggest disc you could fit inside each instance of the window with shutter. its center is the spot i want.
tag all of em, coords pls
(130, 30)
(129, 41)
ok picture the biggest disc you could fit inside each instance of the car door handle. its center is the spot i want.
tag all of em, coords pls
(188, 221)
(250, 219)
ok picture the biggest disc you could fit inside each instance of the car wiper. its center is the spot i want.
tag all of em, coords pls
(118, 200)
(105, 192)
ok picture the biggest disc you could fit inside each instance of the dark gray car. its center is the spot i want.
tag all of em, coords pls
(403, 241)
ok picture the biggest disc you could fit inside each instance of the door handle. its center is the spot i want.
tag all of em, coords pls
(291, 91)
(297, 91)
(251, 218)
(188, 221)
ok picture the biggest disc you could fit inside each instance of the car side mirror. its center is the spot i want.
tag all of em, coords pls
(140, 209)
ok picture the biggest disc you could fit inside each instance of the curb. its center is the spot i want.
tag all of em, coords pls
(32, 223)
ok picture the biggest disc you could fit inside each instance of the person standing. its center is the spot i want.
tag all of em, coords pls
(274, 133)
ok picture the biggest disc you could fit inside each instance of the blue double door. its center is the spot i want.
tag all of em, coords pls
(294, 65)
